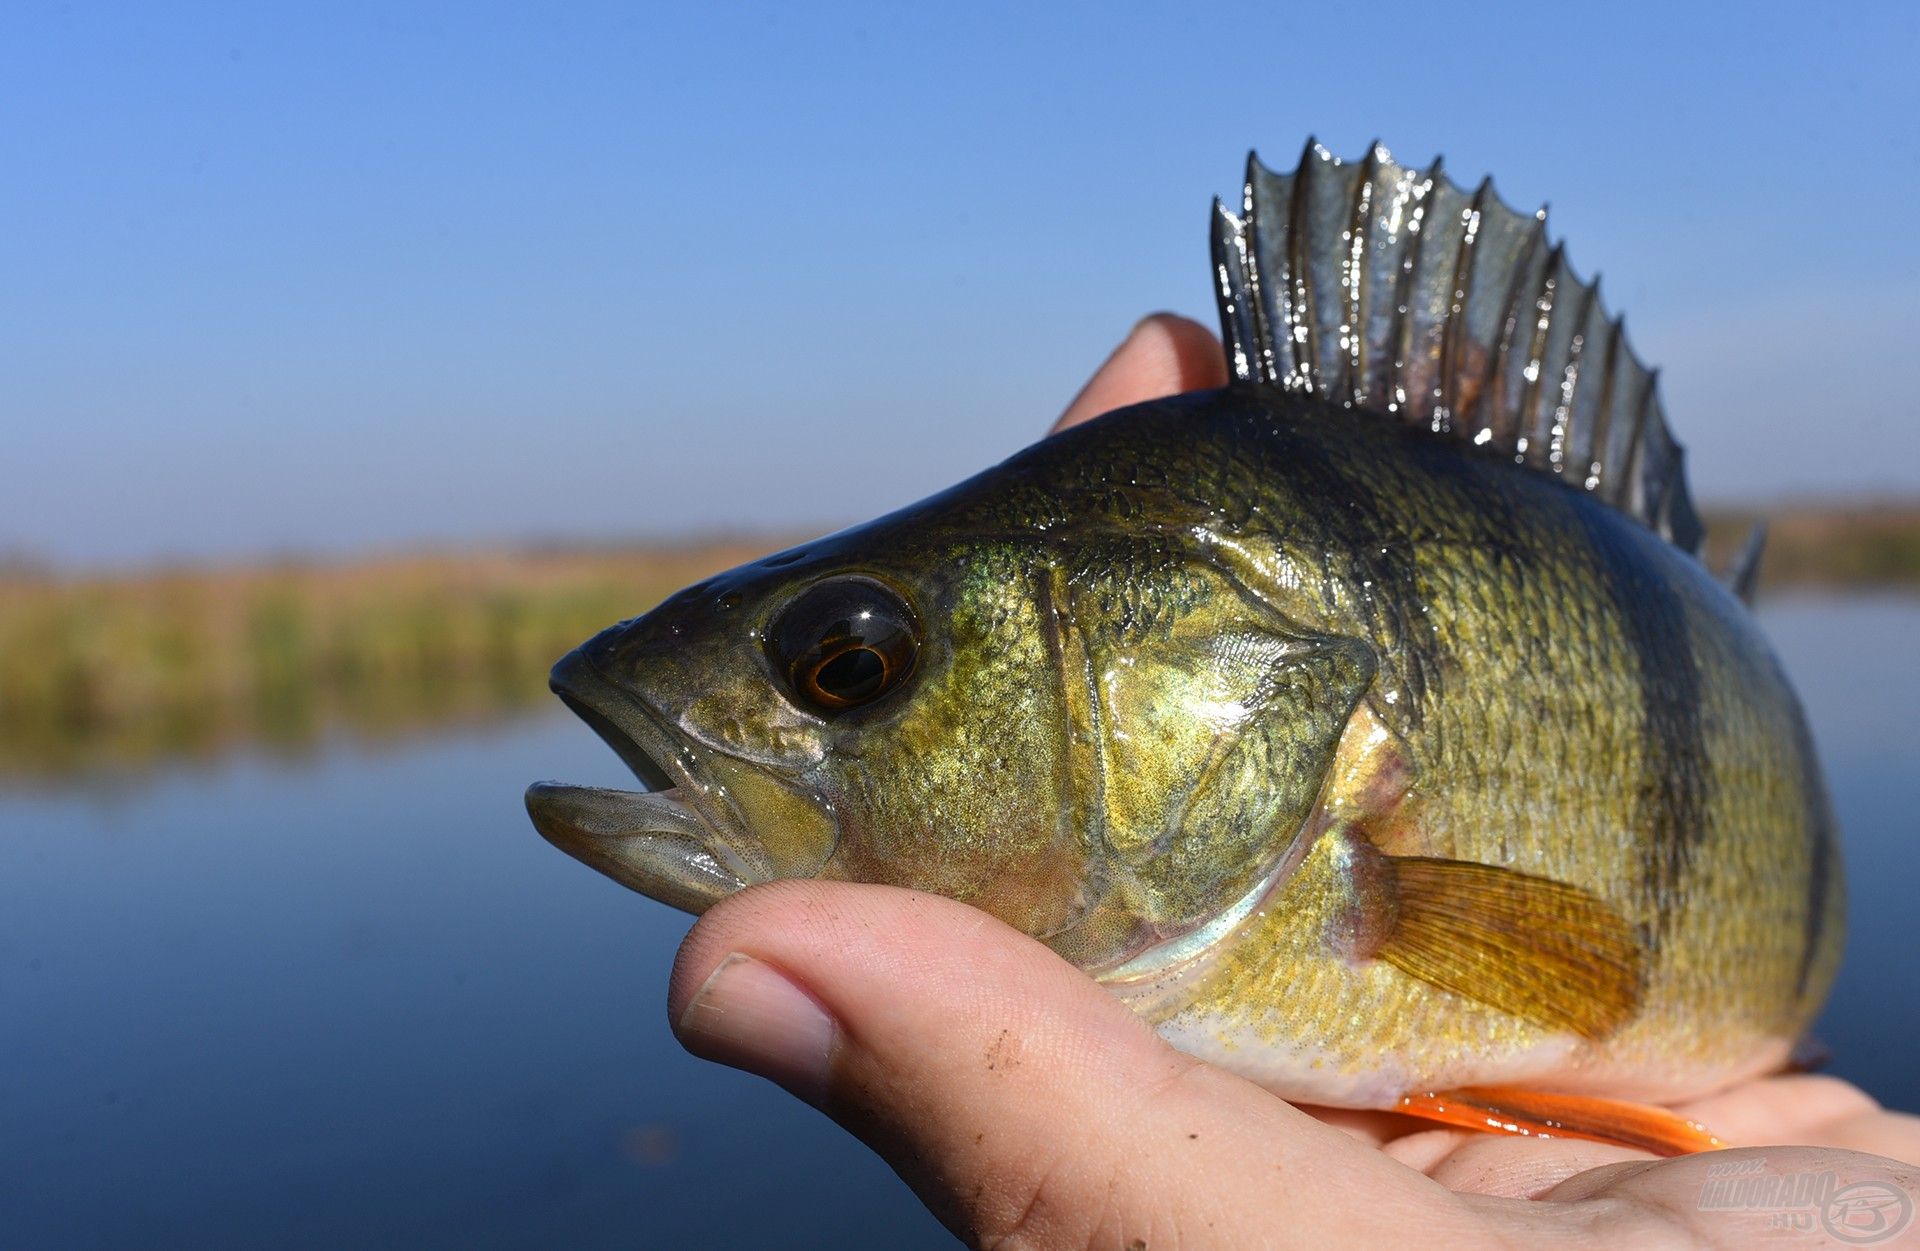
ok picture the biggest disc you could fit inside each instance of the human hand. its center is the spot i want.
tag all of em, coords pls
(1029, 1108)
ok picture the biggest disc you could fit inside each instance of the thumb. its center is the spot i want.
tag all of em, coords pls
(1019, 1099)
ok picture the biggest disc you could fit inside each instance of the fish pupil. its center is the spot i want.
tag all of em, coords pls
(854, 675)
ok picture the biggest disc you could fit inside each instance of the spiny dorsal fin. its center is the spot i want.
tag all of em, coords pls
(1744, 573)
(1394, 289)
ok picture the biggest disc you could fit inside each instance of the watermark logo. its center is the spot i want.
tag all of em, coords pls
(1859, 1214)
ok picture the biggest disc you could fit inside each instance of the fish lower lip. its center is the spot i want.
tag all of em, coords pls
(649, 841)
(602, 812)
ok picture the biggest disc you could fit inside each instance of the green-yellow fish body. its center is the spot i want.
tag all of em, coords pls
(1369, 724)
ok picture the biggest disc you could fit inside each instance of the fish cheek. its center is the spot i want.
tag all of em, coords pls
(792, 831)
(962, 790)
(721, 691)
(754, 756)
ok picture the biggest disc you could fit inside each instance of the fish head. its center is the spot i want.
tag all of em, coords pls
(880, 706)
(1117, 755)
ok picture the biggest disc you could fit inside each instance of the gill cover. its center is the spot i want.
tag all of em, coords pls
(1205, 727)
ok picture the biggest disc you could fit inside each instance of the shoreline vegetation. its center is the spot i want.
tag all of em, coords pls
(102, 675)
(114, 674)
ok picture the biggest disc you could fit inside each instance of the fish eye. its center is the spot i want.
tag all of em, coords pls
(843, 644)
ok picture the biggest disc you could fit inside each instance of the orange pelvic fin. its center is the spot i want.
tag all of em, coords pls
(1506, 1110)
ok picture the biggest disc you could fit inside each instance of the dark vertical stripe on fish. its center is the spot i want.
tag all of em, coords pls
(1351, 521)
(1670, 809)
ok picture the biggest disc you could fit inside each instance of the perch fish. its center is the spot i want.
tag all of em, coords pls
(1370, 725)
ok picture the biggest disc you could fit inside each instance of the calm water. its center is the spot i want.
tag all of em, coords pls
(359, 1001)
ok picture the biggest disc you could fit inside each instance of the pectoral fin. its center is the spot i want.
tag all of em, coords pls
(1547, 952)
(1534, 1113)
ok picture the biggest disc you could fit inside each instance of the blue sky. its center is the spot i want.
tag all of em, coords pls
(342, 277)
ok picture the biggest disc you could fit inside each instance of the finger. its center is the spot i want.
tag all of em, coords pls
(1787, 1109)
(1812, 1110)
(1017, 1097)
(1164, 355)
(1750, 1196)
(1503, 1165)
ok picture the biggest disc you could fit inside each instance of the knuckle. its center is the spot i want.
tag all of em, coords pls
(1063, 1205)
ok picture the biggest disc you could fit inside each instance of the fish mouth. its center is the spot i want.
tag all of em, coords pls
(656, 841)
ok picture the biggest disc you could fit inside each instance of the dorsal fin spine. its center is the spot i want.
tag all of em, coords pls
(1612, 469)
(1238, 332)
(1584, 404)
(1537, 415)
(1303, 321)
(1743, 576)
(1630, 475)
(1266, 366)
(1448, 395)
(1577, 436)
(1417, 234)
(1526, 324)
(1548, 444)
(1360, 218)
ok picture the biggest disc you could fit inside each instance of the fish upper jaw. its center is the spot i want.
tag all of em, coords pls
(673, 842)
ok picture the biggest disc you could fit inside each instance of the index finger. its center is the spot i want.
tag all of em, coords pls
(1163, 355)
